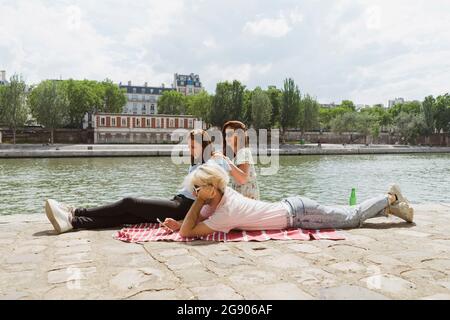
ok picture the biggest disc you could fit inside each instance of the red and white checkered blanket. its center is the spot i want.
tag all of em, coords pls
(152, 232)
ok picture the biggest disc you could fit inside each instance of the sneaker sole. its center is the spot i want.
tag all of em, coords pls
(51, 216)
(395, 189)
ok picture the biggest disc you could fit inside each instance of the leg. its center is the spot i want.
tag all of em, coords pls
(131, 211)
(316, 216)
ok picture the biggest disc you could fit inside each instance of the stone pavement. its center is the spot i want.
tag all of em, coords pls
(386, 259)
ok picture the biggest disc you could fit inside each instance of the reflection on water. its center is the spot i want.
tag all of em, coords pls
(26, 183)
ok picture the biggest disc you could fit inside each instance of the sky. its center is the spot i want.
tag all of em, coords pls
(361, 50)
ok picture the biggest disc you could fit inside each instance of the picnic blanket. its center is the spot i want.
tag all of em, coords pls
(152, 232)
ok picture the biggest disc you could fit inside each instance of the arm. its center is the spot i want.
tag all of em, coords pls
(240, 173)
(172, 225)
(191, 226)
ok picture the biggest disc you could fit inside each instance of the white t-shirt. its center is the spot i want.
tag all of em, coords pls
(238, 212)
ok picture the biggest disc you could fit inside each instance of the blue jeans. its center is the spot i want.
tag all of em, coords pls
(308, 214)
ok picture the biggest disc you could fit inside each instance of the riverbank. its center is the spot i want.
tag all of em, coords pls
(385, 259)
(136, 150)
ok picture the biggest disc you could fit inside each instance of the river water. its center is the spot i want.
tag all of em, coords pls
(26, 183)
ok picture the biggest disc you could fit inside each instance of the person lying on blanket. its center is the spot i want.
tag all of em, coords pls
(220, 208)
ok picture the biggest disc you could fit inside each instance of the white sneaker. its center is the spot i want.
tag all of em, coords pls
(395, 189)
(403, 211)
(59, 215)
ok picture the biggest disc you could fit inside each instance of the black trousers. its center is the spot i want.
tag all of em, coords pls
(131, 211)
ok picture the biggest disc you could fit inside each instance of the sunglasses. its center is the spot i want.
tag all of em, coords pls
(196, 189)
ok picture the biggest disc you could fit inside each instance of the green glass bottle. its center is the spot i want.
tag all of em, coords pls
(353, 197)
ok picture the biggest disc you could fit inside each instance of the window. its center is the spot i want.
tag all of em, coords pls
(144, 108)
(148, 122)
(102, 121)
(143, 90)
(158, 123)
(135, 97)
(138, 122)
(134, 90)
(124, 122)
(113, 122)
(171, 123)
(191, 123)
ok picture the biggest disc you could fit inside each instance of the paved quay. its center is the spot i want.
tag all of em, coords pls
(385, 259)
(147, 150)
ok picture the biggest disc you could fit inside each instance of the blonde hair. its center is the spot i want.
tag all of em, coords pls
(207, 174)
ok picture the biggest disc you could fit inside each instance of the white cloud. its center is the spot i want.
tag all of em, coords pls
(242, 72)
(73, 14)
(274, 27)
(373, 17)
(356, 49)
(210, 43)
(268, 27)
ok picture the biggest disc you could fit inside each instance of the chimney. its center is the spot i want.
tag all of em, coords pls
(146, 84)
(163, 86)
(3, 75)
(129, 83)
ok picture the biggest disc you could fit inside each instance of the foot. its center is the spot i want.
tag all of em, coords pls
(59, 215)
(403, 211)
(394, 189)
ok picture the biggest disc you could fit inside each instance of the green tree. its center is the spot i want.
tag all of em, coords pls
(275, 96)
(381, 115)
(309, 113)
(409, 126)
(2, 102)
(442, 113)
(113, 97)
(290, 106)
(345, 122)
(237, 101)
(200, 105)
(220, 111)
(83, 97)
(348, 104)
(428, 111)
(326, 115)
(172, 102)
(261, 109)
(49, 105)
(228, 103)
(411, 107)
(247, 106)
(366, 124)
(14, 101)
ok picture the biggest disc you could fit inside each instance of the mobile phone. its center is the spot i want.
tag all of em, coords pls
(162, 223)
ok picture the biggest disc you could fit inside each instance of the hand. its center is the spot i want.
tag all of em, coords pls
(206, 193)
(217, 155)
(171, 225)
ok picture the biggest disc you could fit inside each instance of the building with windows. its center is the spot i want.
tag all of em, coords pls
(187, 84)
(392, 103)
(142, 100)
(3, 80)
(328, 105)
(129, 128)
